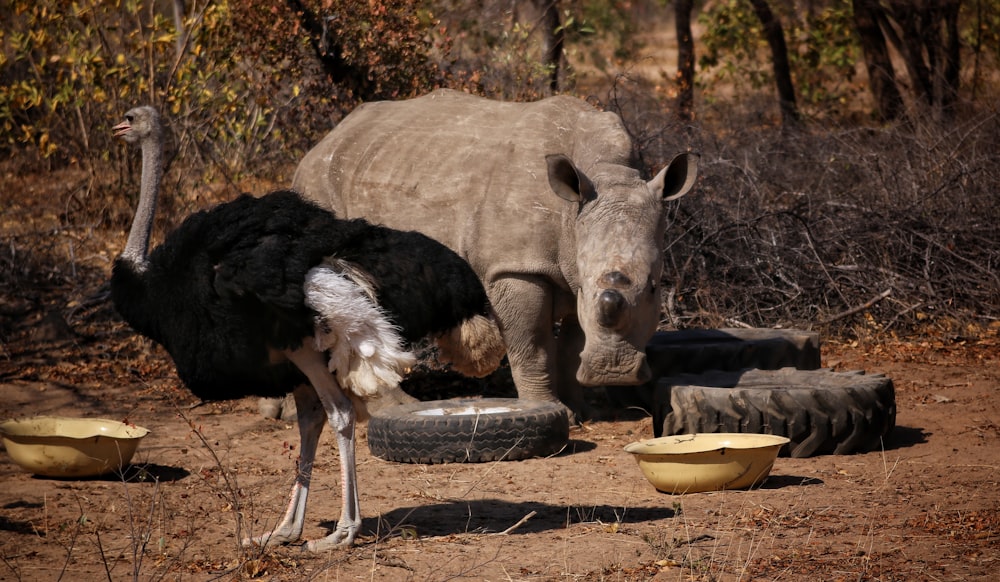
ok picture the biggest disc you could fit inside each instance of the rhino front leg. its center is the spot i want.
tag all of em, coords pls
(523, 308)
(569, 344)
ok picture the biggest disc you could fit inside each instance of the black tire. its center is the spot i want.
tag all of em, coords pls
(468, 430)
(694, 351)
(821, 411)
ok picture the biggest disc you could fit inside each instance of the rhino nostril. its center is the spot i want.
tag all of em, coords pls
(609, 307)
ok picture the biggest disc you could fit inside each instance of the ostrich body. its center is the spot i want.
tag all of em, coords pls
(272, 295)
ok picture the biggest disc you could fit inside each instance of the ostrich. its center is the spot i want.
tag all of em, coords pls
(273, 295)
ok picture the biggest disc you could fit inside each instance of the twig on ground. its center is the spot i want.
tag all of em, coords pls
(858, 308)
(519, 523)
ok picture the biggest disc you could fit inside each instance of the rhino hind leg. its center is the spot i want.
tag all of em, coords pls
(474, 348)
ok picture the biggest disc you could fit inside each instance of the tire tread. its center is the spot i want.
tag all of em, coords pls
(820, 411)
(530, 429)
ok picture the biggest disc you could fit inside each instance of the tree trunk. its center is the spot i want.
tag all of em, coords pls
(926, 33)
(952, 57)
(685, 59)
(779, 57)
(181, 31)
(552, 40)
(910, 18)
(881, 75)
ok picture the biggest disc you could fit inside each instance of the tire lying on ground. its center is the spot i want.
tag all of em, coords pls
(468, 430)
(821, 411)
(694, 351)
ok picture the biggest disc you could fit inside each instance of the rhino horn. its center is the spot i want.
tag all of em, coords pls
(678, 177)
(567, 181)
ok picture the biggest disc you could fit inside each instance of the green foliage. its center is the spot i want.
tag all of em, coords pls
(57, 67)
(253, 84)
(74, 70)
(603, 33)
(388, 41)
(237, 80)
(606, 20)
(823, 54)
(492, 50)
(822, 51)
(731, 44)
(511, 70)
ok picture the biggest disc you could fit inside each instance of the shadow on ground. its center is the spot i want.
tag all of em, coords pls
(485, 516)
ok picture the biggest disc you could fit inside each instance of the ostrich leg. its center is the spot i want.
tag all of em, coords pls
(340, 413)
(310, 420)
(342, 419)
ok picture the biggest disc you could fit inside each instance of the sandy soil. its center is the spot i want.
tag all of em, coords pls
(925, 508)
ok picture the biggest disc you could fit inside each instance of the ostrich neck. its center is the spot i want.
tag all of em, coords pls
(138, 237)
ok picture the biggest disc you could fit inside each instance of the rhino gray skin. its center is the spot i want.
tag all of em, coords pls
(541, 200)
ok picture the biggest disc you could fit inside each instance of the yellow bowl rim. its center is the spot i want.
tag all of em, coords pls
(695, 443)
(69, 427)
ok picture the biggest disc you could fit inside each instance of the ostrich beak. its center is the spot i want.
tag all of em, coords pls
(121, 129)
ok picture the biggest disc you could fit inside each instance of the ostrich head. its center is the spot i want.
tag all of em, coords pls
(142, 127)
(140, 124)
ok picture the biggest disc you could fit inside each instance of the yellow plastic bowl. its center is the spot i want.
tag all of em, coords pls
(54, 446)
(692, 463)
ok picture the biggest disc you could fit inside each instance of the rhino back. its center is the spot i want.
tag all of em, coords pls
(467, 171)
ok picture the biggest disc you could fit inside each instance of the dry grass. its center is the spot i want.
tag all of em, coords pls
(840, 229)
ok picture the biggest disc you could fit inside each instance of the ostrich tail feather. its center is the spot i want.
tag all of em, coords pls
(366, 351)
(474, 348)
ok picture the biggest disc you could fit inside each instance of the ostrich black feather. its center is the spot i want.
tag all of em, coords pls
(226, 288)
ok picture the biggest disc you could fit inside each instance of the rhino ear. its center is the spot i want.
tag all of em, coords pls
(677, 178)
(567, 181)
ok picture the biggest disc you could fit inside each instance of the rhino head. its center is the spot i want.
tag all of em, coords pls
(619, 230)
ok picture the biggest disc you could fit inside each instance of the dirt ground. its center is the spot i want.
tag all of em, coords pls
(927, 507)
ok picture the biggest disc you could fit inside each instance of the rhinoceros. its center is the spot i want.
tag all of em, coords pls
(541, 199)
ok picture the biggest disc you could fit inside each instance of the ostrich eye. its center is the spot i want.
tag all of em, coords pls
(129, 118)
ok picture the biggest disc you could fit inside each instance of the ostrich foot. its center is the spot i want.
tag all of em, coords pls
(279, 536)
(343, 537)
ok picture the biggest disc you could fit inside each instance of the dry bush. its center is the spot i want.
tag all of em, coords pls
(884, 229)
(785, 228)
